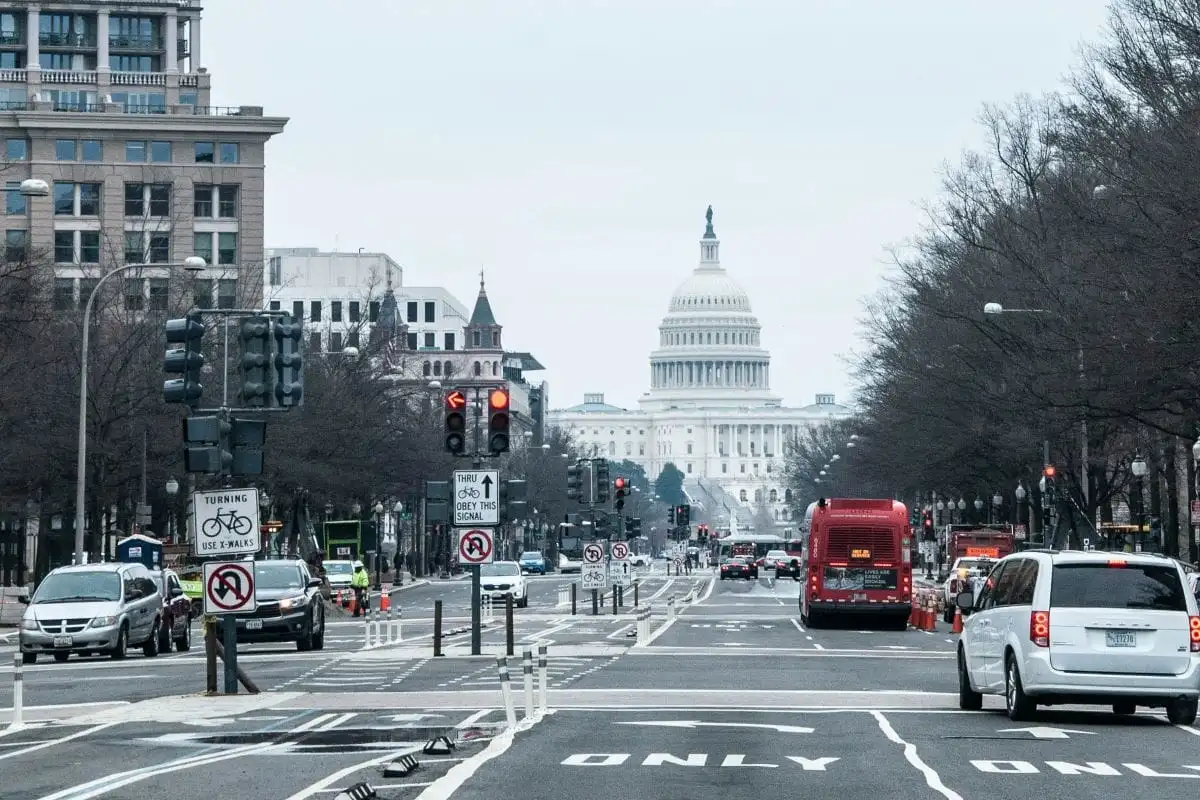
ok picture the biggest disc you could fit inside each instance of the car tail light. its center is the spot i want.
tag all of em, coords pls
(1039, 629)
(1194, 622)
(1119, 563)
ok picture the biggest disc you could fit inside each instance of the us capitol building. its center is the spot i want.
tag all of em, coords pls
(710, 410)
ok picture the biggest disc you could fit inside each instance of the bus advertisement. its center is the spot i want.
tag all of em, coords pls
(859, 561)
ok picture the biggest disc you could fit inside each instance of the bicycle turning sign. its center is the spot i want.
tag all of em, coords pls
(225, 522)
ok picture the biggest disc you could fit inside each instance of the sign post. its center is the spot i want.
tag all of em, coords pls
(228, 591)
(476, 546)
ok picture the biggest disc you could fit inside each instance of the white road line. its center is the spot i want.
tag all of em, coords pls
(932, 779)
(663, 590)
(799, 627)
(661, 630)
(444, 787)
(817, 646)
(336, 777)
(344, 718)
(471, 720)
(60, 740)
(1188, 729)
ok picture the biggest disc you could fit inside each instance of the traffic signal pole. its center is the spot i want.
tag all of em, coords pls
(476, 593)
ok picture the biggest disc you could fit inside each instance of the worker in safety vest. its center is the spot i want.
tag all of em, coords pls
(359, 581)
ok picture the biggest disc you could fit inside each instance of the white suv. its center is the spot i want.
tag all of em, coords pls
(1063, 627)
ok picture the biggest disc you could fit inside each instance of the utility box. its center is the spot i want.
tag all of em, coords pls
(138, 549)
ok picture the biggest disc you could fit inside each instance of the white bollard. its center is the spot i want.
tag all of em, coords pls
(399, 624)
(388, 629)
(543, 679)
(671, 608)
(18, 691)
(527, 674)
(564, 595)
(510, 713)
(643, 626)
(367, 632)
(486, 608)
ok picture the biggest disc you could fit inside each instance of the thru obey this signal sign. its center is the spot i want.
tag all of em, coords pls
(476, 546)
(229, 587)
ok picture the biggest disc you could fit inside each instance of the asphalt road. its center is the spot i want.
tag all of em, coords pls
(732, 698)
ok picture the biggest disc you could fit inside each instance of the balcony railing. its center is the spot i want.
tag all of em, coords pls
(136, 43)
(66, 40)
(9, 39)
(89, 76)
(68, 76)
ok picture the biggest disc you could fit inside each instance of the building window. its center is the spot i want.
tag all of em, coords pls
(314, 313)
(475, 338)
(355, 311)
(411, 311)
(689, 468)
(158, 294)
(448, 338)
(373, 311)
(641, 449)
(275, 272)
(227, 206)
(227, 248)
(15, 203)
(205, 153)
(437, 368)
(202, 205)
(135, 199)
(202, 245)
(160, 152)
(629, 448)
(16, 149)
(160, 248)
(64, 247)
(64, 199)
(77, 199)
(352, 339)
(89, 247)
(231, 153)
(477, 369)
(15, 245)
(426, 369)
(335, 311)
(86, 287)
(411, 341)
(274, 305)
(141, 198)
(298, 309)
(202, 292)
(689, 448)
(66, 150)
(160, 199)
(314, 342)
(135, 300)
(135, 152)
(227, 293)
(335, 341)
(430, 340)
(93, 150)
(430, 308)
(64, 294)
(135, 252)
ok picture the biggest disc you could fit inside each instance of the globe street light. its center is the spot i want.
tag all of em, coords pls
(962, 504)
(191, 264)
(172, 486)
(978, 504)
(378, 509)
(30, 187)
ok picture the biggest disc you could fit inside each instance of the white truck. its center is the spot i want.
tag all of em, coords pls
(967, 573)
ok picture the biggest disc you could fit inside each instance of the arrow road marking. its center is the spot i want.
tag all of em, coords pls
(487, 487)
(1039, 732)
(694, 723)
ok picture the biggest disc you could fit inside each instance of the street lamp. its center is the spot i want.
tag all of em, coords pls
(172, 487)
(378, 509)
(30, 187)
(191, 264)
(962, 505)
(1140, 470)
(997, 501)
(978, 506)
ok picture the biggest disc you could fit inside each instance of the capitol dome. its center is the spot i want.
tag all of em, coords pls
(710, 353)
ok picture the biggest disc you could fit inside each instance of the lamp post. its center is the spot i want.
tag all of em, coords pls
(191, 264)
(1195, 494)
(378, 509)
(172, 488)
(941, 506)
(997, 501)
(1020, 494)
(978, 507)
(264, 506)
(1140, 469)
(398, 511)
(30, 187)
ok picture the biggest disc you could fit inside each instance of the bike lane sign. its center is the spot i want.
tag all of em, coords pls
(225, 522)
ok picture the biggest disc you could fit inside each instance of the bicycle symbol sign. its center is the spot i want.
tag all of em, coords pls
(227, 522)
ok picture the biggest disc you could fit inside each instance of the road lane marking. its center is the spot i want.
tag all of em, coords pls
(444, 787)
(932, 779)
(817, 645)
(799, 627)
(60, 740)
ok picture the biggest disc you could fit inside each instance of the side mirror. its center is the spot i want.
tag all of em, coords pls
(23, 600)
(314, 583)
(176, 591)
(965, 601)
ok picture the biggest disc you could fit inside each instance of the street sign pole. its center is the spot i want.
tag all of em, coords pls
(229, 622)
(476, 598)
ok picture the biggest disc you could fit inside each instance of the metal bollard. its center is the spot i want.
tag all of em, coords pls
(635, 593)
(574, 599)
(509, 635)
(543, 679)
(18, 692)
(616, 592)
(510, 713)
(527, 673)
(437, 628)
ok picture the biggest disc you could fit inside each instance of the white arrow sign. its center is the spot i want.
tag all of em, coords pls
(1046, 733)
(693, 723)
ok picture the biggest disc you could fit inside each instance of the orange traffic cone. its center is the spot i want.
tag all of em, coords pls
(958, 625)
(354, 603)
(385, 601)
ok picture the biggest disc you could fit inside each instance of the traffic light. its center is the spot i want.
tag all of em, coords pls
(456, 421)
(205, 448)
(514, 502)
(671, 515)
(620, 490)
(498, 421)
(683, 515)
(186, 360)
(1046, 484)
(600, 474)
(289, 364)
(575, 482)
(927, 525)
(255, 333)
(633, 527)
(247, 438)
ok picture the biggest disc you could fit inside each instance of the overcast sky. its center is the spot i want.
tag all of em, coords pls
(569, 147)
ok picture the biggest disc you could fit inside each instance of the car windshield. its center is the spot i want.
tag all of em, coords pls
(1110, 585)
(530, 556)
(276, 576)
(338, 568)
(495, 570)
(777, 554)
(978, 564)
(78, 587)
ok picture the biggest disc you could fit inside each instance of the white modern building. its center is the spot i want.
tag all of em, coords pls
(710, 410)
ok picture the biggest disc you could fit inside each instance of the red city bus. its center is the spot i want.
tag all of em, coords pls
(859, 561)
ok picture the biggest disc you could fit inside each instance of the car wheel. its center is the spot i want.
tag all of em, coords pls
(61, 657)
(184, 642)
(968, 698)
(121, 648)
(318, 638)
(1181, 710)
(305, 641)
(150, 646)
(1018, 705)
(29, 658)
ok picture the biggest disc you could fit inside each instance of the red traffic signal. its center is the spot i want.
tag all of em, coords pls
(1048, 471)
(456, 400)
(498, 399)
(620, 484)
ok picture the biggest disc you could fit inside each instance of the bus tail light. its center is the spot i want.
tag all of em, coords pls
(1194, 623)
(1039, 629)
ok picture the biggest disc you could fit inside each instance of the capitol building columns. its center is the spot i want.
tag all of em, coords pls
(687, 374)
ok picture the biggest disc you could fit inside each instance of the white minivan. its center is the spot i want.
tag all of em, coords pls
(1067, 627)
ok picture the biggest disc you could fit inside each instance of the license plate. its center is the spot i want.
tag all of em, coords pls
(254, 624)
(1120, 638)
(63, 641)
(859, 598)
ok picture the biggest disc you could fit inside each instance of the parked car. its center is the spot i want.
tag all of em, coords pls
(290, 607)
(92, 608)
(176, 627)
(532, 561)
(1061, 627)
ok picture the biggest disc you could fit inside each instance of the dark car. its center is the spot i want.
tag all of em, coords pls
(290, 607)
(744, 567)
(788, 567)
(176, 626)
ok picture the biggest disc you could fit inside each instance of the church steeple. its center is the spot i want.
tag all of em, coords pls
(483, 332)
(710, 245)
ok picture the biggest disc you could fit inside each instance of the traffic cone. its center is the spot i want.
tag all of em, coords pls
(337, 598)
(385, 601)
(931, 615)
(354, 603)
(957, 621)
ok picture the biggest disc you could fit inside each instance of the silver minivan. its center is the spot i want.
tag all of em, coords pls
(92, 608)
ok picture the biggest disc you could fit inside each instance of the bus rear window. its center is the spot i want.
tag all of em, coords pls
(1151, 586)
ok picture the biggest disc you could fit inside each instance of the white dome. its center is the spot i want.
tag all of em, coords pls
(708, 290)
